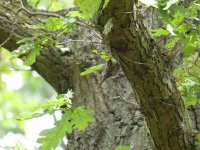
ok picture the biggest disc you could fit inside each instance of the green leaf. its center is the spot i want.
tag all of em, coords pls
(191, 100)
(122, 148)
(171, 42)
(165, 17)
(81, 118)
(30, 58)
(189, 45)
(182, 29)
(178, 18)
(104, 56)
(72, 118)
(92, 69)
(23, 117)
(160, 32)
(25, 40)
(197, 141)
(75, 14)
(88, 7)
(49, 107)
(51, 137)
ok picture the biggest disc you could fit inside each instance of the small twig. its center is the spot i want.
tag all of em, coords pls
(84, 41)
(94, 37)
(95, 92)
(136, 62)
(162, 38)
(12, 31)
(10, 35)
(136, 106)
(38, 12)
(88, 26)
(6, 20)
(55, 15)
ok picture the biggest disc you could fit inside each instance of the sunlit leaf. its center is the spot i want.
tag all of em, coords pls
(50, 138)
(88, 7)
(122, 148)
(160, 32)
(81, 118)
(92, 69)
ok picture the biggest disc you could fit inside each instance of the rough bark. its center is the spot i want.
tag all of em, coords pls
(117, 121)
(149, 74)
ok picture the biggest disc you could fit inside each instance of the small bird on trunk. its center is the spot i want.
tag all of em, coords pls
(110, 70)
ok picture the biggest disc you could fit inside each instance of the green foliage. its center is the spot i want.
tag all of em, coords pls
(51, 137)
(188, 79)
(74, 14)
(180, 28)
(88, 7)
(197, 142)
(49, 107)
(122, 148)
(160, 32)
(18, 96)
(54, 27)
(73, 118)
(81, 118)
(92, 69)
(102, 54)
(51, 5)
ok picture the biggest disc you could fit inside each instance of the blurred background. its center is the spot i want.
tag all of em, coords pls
(21, 89)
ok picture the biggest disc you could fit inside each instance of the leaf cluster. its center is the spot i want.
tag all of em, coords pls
(73, 118)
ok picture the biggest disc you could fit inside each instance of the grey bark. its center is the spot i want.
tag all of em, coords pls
(118, 122)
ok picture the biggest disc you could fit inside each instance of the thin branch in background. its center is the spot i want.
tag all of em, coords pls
(95, 92)
(95, 37)
(56, 15)
(89, 27)
(135, 105)
(51, 14)
(136, 62)
(6, 20)
(84, 41)
(9, 37)
(12, 31)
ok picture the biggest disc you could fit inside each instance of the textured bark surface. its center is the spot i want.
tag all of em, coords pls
(149, 74)
(117, 121)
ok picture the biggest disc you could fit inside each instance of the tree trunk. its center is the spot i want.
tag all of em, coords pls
(149, 74)
(150, 82)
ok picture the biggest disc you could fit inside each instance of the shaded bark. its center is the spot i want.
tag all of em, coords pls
(150, 76)
(62, 71)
